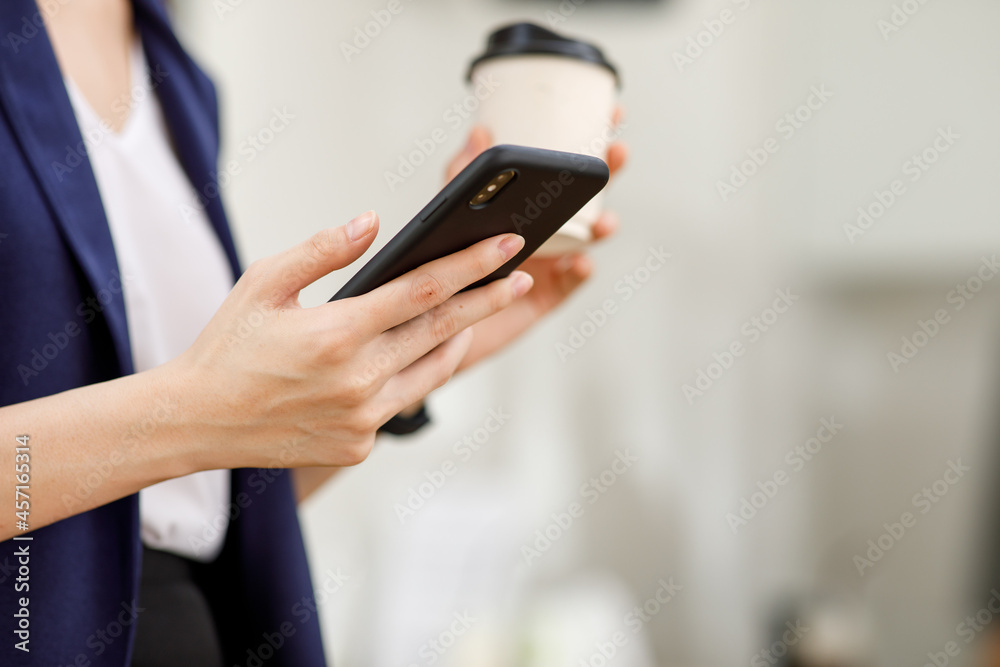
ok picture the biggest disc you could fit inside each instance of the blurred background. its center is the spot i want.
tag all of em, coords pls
(828, 497)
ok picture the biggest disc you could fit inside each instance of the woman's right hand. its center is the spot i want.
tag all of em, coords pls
(271, 384)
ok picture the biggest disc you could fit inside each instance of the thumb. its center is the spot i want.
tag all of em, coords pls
(288, 272)
(479, 140)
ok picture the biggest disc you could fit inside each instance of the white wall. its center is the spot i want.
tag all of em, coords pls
(783, 229)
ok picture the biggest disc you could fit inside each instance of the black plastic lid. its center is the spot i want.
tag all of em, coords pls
(527, 38)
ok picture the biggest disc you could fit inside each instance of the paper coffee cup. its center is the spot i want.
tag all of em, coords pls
(549, 91)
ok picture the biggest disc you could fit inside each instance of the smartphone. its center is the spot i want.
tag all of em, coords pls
(527, 191)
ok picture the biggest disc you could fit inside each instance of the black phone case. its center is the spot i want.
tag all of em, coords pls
(548, 189)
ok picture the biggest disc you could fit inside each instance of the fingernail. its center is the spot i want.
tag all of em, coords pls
(522, 282)
(511, 245)
(361, 226)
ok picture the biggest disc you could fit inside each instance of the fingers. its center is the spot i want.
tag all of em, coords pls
(617, 152)
(572, 271)
(434, 283)
(564, 275)
(479, 140)
(413, 383)
(285, 274)
(617, 157)
(412, 340)
(605, 225)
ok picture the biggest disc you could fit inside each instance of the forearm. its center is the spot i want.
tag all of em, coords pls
(89, 446)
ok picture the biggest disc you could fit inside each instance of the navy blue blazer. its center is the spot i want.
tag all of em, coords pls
(58, 275)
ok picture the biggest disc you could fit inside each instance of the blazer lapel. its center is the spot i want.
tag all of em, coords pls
(37, 105)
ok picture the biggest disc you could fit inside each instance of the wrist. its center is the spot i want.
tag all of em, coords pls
(182, 411)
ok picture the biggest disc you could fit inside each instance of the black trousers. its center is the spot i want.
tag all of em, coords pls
(176, 627)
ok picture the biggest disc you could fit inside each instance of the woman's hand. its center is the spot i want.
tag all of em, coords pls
(284, 385)
(555, 278)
